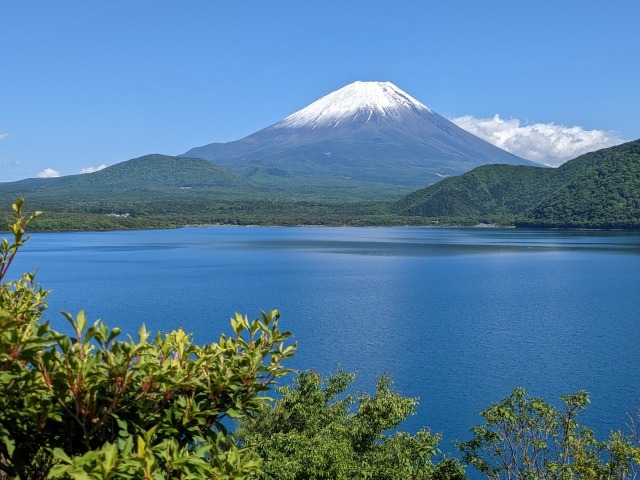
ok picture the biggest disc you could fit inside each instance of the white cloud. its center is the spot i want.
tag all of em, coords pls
(4, 136)
(48, 173)
(93, 169)
(545, 143)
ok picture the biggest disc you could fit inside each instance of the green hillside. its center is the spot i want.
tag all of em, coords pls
(153, 191)
(160, 175)
(596, 190)
(605, 195)
(486, 190)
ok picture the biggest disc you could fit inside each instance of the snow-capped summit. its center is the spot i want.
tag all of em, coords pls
(367, 132)
(358, 101)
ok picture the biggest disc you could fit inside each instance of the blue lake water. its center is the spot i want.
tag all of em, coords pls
(458, 316)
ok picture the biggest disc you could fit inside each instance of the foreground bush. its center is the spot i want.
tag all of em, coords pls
(316, 431)
(525, 437)
(92, 406)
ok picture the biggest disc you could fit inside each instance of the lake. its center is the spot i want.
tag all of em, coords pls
(458, 316)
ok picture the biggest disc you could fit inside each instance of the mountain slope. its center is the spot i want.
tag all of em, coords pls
(486, 190)
(157, 175)
(604, 195)
(366, 131)
(598, 189)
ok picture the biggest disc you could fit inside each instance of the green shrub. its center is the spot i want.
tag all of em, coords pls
(93, 406)
(317, 431)
(525, 437)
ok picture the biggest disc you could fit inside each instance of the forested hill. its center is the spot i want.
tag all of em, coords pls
(137, 178)
(606, 195)
(486, 190)
(596, 190)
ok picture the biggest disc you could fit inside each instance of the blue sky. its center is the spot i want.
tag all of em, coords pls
(87, 83)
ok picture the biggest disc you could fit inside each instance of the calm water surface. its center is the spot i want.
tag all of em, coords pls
(459, 317)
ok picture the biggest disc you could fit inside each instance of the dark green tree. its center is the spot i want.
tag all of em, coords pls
(317, 431)
(525, 437)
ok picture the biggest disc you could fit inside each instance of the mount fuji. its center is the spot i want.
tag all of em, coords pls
(368, 132)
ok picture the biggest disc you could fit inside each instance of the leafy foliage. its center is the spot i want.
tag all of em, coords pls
(525, 437)
(92, 406)
(316, 431)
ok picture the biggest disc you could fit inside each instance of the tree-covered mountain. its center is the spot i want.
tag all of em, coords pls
(596, 190)
(153, 191)
(158, 175)
(604, 195)
(486, 190)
